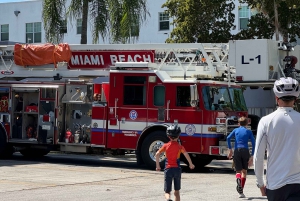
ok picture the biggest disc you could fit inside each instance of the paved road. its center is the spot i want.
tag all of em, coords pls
(65, 177)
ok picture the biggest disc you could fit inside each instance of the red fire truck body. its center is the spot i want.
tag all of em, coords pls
(120, 99)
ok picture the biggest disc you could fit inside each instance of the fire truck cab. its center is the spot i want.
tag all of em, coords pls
(120, 99)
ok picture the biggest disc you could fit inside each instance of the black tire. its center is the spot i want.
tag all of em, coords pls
(34, 153)
(198, 160)
(150, 146)
(6, 150)
(3, 142)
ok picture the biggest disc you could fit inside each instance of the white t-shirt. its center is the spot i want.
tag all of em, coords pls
(279, 133)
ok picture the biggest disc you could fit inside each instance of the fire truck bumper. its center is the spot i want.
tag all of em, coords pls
(218, 150)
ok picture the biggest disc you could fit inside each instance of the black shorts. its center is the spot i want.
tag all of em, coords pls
(289, 192)
(170, 175)
(241, 158)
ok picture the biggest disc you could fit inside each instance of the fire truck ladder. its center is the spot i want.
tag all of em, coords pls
(188, 60)
(203, 61)
(184, 60)
(9, 70)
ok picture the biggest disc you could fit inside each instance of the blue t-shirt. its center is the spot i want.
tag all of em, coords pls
(242, 136)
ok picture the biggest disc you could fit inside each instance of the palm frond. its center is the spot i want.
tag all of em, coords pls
(54, 19)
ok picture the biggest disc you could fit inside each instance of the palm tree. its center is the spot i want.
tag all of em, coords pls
(119, 20)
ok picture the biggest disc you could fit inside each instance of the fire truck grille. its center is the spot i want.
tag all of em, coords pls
(231, 128)
(232, 122)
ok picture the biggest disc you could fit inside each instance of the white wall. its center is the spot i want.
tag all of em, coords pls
(31, 11)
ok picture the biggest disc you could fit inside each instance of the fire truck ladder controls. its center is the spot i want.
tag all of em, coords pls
(187, 61)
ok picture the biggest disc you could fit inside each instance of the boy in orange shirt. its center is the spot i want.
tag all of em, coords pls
(172, 168)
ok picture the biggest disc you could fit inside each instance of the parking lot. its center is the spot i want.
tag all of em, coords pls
(67, 177)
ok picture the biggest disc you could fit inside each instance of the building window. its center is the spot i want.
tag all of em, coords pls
(164, 22)
(244, 17)
(34, 32)
(4, 32)
(134, 90)
(79, 26)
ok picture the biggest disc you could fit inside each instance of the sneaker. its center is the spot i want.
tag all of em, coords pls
(239, 187)
(242, 195)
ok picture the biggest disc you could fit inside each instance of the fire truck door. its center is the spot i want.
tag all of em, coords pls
(46, 120)
(184, 109)
(132, 109)
(99, 116)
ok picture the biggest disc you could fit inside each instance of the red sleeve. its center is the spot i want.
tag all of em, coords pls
(162, 149)
(182, 149)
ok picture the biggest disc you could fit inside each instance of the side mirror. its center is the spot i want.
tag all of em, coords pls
(194, 95)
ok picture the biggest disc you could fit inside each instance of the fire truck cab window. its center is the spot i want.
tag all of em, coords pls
(134, 90)
(223, 98)
(159, 96)
(183, 96)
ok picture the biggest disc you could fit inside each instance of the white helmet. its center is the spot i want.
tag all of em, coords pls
(286, 87)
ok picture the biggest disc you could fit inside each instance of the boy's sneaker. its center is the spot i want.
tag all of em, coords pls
(239, 187)
(242, 195)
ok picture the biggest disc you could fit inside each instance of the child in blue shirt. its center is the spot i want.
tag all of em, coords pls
(242, 158)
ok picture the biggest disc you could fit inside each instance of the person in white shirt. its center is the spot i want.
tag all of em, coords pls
(279, 134)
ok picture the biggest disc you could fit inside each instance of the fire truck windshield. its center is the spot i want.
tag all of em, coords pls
(223, 98)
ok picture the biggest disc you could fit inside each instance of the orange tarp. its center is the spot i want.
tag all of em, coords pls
(37, 55)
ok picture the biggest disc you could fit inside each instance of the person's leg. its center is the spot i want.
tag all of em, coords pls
(238, 167)
(243, 177)
(294, 194)
(245, 155)
(168, 183)
(279, 194)
(177, 195)
(289, 192)
(177, 183)
(274, 195)
(168, 196)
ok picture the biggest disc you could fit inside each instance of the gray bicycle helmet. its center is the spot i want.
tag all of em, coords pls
(173, 131)
(286, 88)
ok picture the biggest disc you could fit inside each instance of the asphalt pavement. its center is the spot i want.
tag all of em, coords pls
(65, 177)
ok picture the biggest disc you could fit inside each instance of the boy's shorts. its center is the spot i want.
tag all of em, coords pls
(241, 158)
(170, 175)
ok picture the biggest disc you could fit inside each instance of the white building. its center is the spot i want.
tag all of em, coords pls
(22, 22)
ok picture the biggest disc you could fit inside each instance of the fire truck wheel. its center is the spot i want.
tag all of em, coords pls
(3, 142)
(198, 160)
(34, 152)
(6, 150)
(151, 145)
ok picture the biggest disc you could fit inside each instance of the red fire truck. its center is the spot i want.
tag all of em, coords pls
(119, 99)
